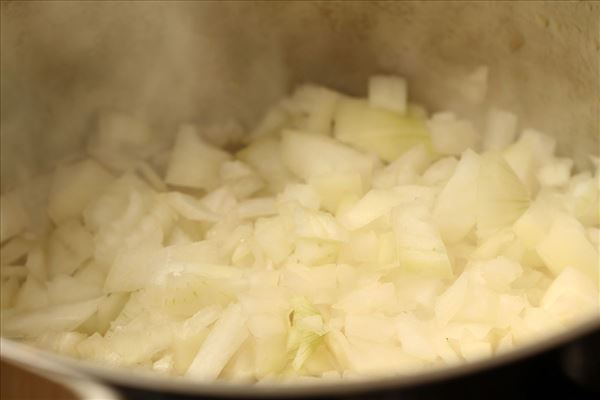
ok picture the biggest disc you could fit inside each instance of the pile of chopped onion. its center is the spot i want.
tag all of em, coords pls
(348, 237)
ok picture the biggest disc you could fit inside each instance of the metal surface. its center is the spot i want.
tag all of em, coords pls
(171, 62)
(61, 366)
(168, 62)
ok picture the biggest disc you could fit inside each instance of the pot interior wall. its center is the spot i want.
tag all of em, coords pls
(64, 62)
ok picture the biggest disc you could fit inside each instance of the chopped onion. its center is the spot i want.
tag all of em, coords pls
(389, 92)
(376, 130)
(194, 163)
(347, 238)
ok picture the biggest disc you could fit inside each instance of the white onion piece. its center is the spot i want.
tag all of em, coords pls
(224, 339)
(53, 319)
(194, 163)
(501, 130)
(389, 92)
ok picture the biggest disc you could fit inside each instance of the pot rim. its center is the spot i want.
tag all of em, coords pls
(64, 368)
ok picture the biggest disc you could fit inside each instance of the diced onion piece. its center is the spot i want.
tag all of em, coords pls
(32, 295)
(363, 247)
(404, 169)
(273, 236)
(182, 295)
(541, 145)
(475, 350)
(440, 172)
(566, 245)
(65, 289)
(194, 163)
(266, 325)
(74, 186)
(304, 194)
(188, 339)
(555, 173)
(142, 223)
(270, 356)
(509, 308)
(113, 202)
(376, 297)
(455, 209)
(191, 208)
(220, 201)
(108, 310)
(420, 247)
(501, 130)
(315, 106)
(452, 300)
(335, 188)
(240, 178)
(52, 319)
(163, 365)
(317, 284)
(473, 87)
(265, 156)
(376, 130)
(306, 331)
(533, 224)
(375, 359)
(373, 205)
(222, 342)
(572, 296)
(415, 291)
(451, 136)
(415, 338)
(223, 132)
(34, 197)
(536, 323)
(69, 246)
(502, 197)
(388, 92)
(257, 207)
(532, 150)
(274, 120)
(375, 328)
(317, 225)
(138, 267)
(140, 341)
(583, 199)
(481, 304)
(121, 141)
(61, 342)
(494, 245)
(498, 273)
(315, 252)
(309, 156)
(91, 274)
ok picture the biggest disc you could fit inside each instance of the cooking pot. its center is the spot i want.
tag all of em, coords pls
(63, 63)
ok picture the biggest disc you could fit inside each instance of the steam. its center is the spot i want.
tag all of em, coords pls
(223, 63)
(64, 63)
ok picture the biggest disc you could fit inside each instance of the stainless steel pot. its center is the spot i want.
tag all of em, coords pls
(168, 62)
